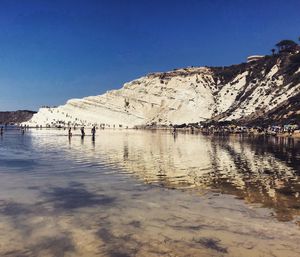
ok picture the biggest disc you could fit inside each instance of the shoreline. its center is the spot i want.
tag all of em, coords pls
(192, 130)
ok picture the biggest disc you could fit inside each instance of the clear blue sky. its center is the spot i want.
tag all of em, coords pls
(54, 50)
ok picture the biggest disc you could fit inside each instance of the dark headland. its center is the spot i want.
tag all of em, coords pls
(13, 117)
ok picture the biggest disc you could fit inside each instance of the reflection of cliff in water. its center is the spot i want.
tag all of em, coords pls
(259, 170)
(284, 148)
(266, 169)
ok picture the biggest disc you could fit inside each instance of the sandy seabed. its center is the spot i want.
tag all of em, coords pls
(122, 196)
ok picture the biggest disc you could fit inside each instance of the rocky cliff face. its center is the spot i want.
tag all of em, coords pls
(190, 95)
(15, 117)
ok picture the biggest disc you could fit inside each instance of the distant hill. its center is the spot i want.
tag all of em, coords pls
(15, 117)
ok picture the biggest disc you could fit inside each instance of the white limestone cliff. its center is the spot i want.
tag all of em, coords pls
(180, 96)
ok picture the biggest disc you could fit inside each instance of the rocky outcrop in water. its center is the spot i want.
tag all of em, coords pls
(268, 87)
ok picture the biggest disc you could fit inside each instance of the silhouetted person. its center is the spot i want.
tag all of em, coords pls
(93, 132)
(82, 132)
(70, 132)
(175, 136)
(1, 131)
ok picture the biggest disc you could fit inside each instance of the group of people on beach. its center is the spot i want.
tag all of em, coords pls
(23, 128)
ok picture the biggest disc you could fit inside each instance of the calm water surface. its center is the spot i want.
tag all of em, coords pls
(143, 193)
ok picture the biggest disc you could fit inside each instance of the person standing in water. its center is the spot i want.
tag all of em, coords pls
(1, 130)
(70, 132)
(174, 130)
(93, 132)
(82, 132)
